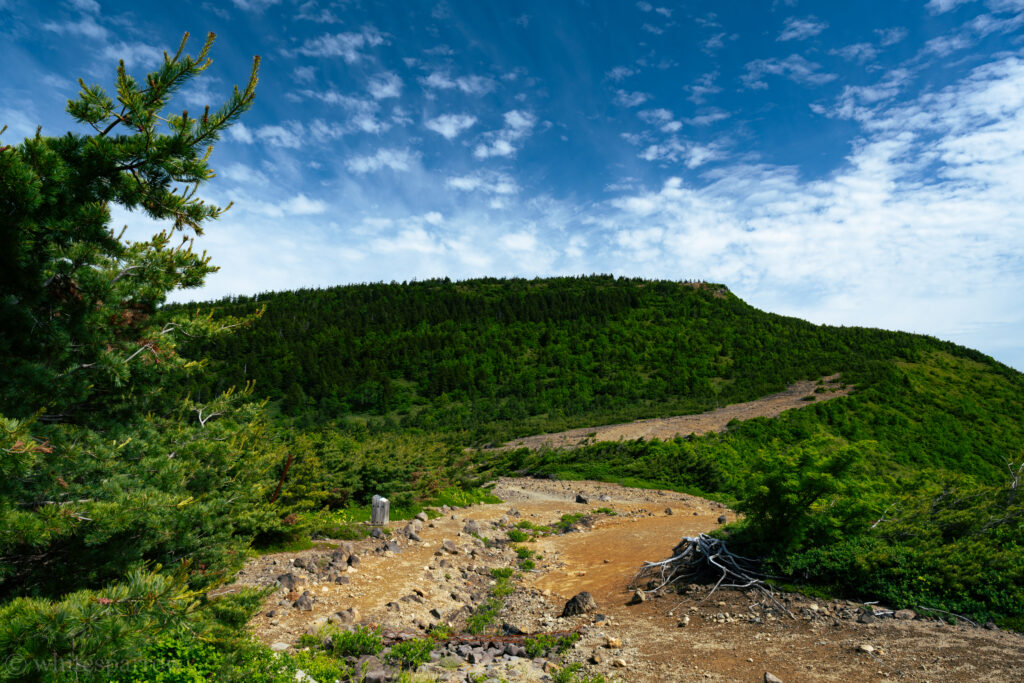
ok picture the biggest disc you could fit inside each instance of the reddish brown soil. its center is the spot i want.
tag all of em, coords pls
(719, 643)
(795, 396)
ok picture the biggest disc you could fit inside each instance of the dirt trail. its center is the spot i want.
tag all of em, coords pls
(724, 640)
(797, 395)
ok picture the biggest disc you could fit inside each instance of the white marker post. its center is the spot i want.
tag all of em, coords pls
(380, 508)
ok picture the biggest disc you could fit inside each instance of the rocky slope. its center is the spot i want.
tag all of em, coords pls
(439, 571)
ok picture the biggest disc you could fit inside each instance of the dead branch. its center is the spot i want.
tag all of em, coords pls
(704, 558)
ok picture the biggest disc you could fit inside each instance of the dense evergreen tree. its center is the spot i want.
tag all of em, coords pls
(109, 472)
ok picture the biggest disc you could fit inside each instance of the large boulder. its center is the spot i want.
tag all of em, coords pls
(581, 603)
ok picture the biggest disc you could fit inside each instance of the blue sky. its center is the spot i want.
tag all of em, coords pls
(853, 163)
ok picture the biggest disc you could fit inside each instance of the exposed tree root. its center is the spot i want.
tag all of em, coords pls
(701, 559)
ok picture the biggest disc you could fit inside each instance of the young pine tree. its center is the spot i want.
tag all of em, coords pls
(118, 494)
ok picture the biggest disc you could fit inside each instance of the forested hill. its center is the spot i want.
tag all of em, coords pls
(509, 357)
(899, 491)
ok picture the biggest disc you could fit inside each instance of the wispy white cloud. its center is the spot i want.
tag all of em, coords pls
(942, 6)
(793, 67)
(451, 126)
(662, 118)
(861, 102)
(311, 11)
(631, 99)
(394, 159)
(348, 45)
(471, 85)
(711, 115)
(890, 36)
(304, 74)
(879, 241)
(493, 183)
(88, 6)
(502, 143)
(704, 86)
(619, 73)
(675, 150)
(796, 28)
(254, 5)
(856, 52)
(299, 205)
(134, 54)
(385, 85)
(85, 26)
(975, 29)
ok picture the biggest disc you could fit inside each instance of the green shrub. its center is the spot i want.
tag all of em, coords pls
(517, 536)
(410, 654)
(360, 641)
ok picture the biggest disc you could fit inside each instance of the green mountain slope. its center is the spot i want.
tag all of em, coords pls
(902, 491)
(530, 355)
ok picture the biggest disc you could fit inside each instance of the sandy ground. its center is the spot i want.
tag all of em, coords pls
(795, 396)
(722, 641)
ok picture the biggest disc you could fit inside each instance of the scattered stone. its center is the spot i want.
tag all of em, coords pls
(353, 561)
(472, 527)
(619, 663)
(684, 622)
(376, 533)
(289, 581)
(866, 649)
(613, 642)
(348, 616)
(605, 498)
(413, 536)
(304, 602)
(771, 678)
(341, 579)
(668, 511)
(905, 614)
(866, 618)
(638, 597)
(423, 517)
(694, 513)
(279, 647)
(449, 547)
(722, 519)
(393, 547)
(596, 657)
(581, 603)
(582, 498)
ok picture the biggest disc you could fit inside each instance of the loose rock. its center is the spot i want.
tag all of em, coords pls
(581, 603)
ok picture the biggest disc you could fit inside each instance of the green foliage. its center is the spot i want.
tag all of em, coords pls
(501, 358)
(410, 654)
(604, 511)
(76, 300)
(542, 644)
(483, 616)
(46, 640)
(362, 640)
(803, 495)
(441, 632)
(517, 536)
(565, 522)
(178, 660)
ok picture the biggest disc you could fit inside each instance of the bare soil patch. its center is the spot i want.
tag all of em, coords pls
(797, 395)
(726, 637)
